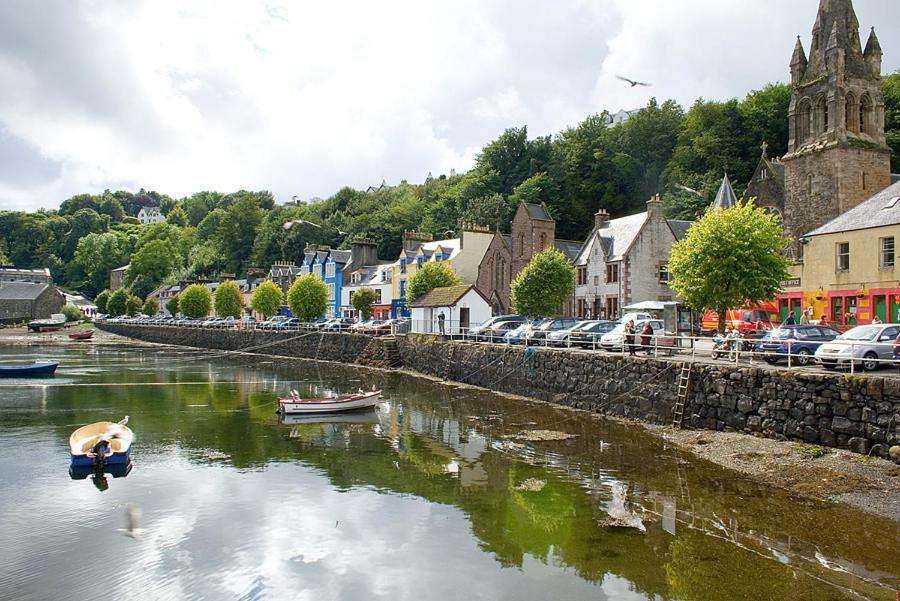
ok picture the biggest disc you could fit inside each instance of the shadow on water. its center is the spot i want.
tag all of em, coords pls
(540, 507)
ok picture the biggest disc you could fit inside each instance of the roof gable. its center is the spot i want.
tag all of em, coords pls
(882, 209)
(445, 297)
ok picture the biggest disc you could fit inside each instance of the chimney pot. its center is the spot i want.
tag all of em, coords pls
(601, 219)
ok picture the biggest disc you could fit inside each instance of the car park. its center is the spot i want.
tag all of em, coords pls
(497, 330)
(537, 334)
(866, 346)
(561, 337)
(614, 340)
(517, 336)
(479, 332)
(795, 342)
(588, 334)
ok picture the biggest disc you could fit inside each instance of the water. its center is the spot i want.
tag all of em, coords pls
(421, 500)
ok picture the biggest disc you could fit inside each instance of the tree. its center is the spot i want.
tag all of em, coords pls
(363, 300)
(133, 305)
(728, 258)
(72, 313)
(151, 306)
(196, 301)
(177, 216)
(543, 285)
(267, 298)
(101, 300)
(117, 303)
(890, 87)
(431, 275)
(308, 297)
(98, 254)
(150, 265)
(172, 306)
(228, 301)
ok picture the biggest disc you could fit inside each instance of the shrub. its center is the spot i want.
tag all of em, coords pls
(172, 306)
(101, 301)
(72, 313)
(116, 304)
(267, 298)
(543, 285)
(151, 306)
(133, 305)
(364, 301)
(196, 301)
(308, 297)
(431, 275)
(228, 301)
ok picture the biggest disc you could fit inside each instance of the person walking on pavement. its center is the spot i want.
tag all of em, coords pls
(646, 335)
(790, 319)
(441, 322)
(629, 337)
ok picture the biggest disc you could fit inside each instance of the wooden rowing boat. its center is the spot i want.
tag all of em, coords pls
(82, 335)
(352, 402)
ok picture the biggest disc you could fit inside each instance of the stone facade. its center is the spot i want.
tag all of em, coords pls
(766, 186)
(837, 155)
(24, 301)
(533, 230)
(494, 274)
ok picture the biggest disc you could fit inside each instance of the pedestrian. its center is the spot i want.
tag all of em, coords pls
(849, 319)
(629, 337)
(823, 321)
(876, 320)
(441, 322)
(790, 319)
(804, 319)
(646, 336)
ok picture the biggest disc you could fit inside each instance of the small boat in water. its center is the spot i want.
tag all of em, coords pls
(82, 335)
(352, 402)
(361, 417)
(38, 368)
(101, 443)
(56, 322)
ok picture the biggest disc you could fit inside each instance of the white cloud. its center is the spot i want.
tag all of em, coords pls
(302, 98)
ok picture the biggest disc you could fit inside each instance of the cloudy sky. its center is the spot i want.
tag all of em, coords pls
(304, 97)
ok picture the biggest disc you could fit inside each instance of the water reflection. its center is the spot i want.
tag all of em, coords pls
(431, 495)
(98, 473)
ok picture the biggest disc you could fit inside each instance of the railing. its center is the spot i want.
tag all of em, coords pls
(851, 355)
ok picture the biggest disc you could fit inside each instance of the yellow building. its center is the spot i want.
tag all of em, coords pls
(849, 272)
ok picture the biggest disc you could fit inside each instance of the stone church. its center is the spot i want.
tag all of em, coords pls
(837, 153)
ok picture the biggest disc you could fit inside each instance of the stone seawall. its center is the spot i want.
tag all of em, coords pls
(327, 346)
(860, 413)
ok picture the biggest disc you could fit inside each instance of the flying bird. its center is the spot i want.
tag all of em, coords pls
(691, 190)
(633, 82)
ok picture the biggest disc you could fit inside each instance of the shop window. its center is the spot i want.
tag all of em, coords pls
(886, 254)
(842, 260)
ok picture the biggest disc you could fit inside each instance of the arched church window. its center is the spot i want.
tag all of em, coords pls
(804, 114)
(821, 115)
(850, 108)
(521, 245)
(865, 114)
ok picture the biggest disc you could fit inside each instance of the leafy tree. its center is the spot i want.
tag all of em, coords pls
(110, 206)
(267, 298)
(196, 301)
(177, 216)
(493, 210)
(308, 297)
(150, 266)
(237, 231)
(172, 306)
(729, 258)
(543, 285)
(431, 275)
(765, 119)
(228, 301)
(151, 306)
(82, 223)
(890, 87)
(117, 304)
(133, 305)
(363, 300)
(72, 313)
(200, 204)
(101, 300)
(98, 254)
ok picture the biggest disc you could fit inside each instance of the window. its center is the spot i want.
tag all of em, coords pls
(850, 108)
(612, 273)
(378, 296)
(329, 270)
(596, 280)
(863, 180)
(582, 276)
(886, 254)
(865, 114)
(809, 184)
(317, 269)
(331, 292)
(843, 256)
(402, 267)
(402, 289)
(663, 274)
(543, 243)
(612, 307)
(521, 245)
(304, 270)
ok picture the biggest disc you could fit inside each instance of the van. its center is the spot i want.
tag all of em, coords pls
(749, 319)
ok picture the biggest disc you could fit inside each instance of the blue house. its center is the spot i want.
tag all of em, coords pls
(328, 265)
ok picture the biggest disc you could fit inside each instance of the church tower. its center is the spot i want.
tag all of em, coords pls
(837, 154)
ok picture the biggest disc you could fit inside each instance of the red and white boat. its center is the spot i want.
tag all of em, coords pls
(293, 405)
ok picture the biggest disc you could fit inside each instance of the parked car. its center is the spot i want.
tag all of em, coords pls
(589, 334)
(270, 323)
(211, 322)
(517, 336)
(361, 326)
(338, 324)
(292, 323)
(539, 332)
(496, 331)
(561, 337)
(479, 332)
(614, 340)
(634, 316)
(798, 341)
(896, 351)
(865, 346)
(384, 328)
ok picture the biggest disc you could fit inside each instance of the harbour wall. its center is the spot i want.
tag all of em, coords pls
(860, 413)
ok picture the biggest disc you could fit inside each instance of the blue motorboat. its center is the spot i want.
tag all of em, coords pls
(101, 443)
(38, 368)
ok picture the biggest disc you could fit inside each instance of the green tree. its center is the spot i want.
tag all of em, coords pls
(308, 297)
(133, 305)
(117, 303)
(177, 216)
(150, 266)
(172, 306)
(729, 258)
(151, 306)
(98, 254)
(72, 313)
(110, 205)
(196, 301)
(228, 301)
(237, 232)
(363, 300)
(890, 87)
(267, 298)
(543, 285)
(101, 301)
(431, 275)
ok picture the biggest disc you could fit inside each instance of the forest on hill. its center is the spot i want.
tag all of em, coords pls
(662, 148)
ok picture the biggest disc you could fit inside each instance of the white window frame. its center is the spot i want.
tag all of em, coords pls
(329, 269)
(838, 255)
(887, 252)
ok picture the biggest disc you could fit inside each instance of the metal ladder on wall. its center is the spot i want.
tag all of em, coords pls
(684, 385)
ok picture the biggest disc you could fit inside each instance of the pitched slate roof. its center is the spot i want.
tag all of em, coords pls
(880, 210)
(341, 256)
(679, 227)
(536, 211)
(618, 235)
(570, 248)
(21, 290)
(443, 297)
(725, 198)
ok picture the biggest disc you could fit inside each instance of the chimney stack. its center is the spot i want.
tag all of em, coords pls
(654, 207)
(601, 219)
(363, 252)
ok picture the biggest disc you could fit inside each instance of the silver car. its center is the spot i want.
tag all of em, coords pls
(867, 346)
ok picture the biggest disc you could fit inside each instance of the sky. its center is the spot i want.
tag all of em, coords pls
(302, 98)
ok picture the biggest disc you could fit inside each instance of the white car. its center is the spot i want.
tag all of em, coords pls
(868, 347)
(615, 339)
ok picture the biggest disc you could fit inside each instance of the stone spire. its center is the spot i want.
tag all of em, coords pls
(798, 62)
(725, 197)
(836, 27)
(873, 54)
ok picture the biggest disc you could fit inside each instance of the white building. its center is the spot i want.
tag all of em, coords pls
(150, 215)
(376, 277)
(461, 306)
(624, 261)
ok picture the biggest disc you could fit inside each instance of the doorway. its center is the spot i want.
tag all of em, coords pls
(464, 319)
(881, 308)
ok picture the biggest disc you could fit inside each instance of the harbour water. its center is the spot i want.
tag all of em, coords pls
(439, 494)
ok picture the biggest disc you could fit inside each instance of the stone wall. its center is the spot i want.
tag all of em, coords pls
(861, 413)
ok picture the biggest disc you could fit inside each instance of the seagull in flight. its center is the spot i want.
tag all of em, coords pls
(633, 82)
